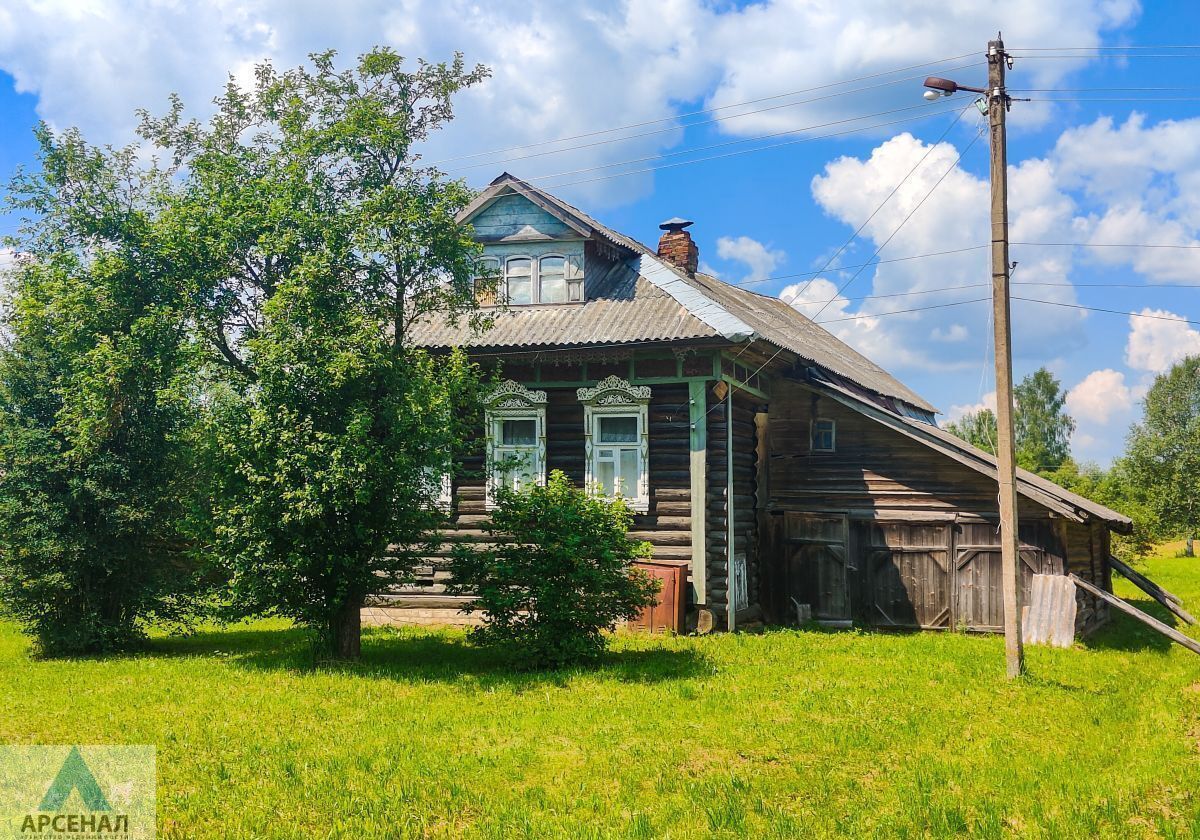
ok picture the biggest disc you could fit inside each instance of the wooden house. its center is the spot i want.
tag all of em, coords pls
(780, 464)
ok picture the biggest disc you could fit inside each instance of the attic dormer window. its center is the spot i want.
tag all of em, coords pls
(528, 280)
(518, 281)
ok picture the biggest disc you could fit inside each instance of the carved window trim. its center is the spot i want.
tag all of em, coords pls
(511, 400)
(615, 397)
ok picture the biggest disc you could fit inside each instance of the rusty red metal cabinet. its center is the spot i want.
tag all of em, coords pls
(669, 611)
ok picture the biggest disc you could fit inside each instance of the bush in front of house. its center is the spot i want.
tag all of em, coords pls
(557, 575)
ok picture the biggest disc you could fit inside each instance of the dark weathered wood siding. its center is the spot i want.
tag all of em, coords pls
(745, 515)
(666, 525)
(888, 531)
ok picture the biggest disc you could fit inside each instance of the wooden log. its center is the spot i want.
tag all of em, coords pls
(1149, 620)
(1152, 589)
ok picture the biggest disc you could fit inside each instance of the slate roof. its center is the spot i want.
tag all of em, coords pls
(644, 299)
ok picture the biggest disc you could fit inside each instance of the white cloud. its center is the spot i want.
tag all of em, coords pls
(1144, 180)
(1154, 345)
(955, 216)
(759, 258)
(559, 69)
(1101, 395)
(814, 42)
(951, 334)
(957, 412)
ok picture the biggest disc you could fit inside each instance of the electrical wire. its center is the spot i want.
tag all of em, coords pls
(881, 204)
(1109, 311)
(1107, 245)
(902, 311)
(856, 130)
(858, 265)
(727, 143)
(713, 110)
(903, 221)
(670, 128)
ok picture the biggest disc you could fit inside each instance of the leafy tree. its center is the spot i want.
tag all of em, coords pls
(557, 576)
(977, 428)
(1114, 488)
(1041, 429)
(311, 240)
(1041, 426)
(1164, 449)
(93, 405)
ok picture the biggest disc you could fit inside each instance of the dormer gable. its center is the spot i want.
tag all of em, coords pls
(542, 250)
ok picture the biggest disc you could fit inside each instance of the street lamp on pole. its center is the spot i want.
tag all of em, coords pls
(996, 100)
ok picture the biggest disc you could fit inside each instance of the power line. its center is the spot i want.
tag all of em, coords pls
(859, 265)
(1109, 311)
(743, 151)
(1107, 245)
(886, 199)
(1125, 48)
(903, 221)
(903, 311)
(1077, 56)
(727, 143)
(1098, 89)
(702, 111)
(1114, 99)
(671, 128)
(1113, 285)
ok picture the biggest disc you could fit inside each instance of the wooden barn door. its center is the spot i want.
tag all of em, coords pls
(909, 574)
(818, 567)
(979, 590)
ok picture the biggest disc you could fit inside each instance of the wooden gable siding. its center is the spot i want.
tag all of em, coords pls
(897, 534)
(872, 469)
(666, 525)
(516, 217)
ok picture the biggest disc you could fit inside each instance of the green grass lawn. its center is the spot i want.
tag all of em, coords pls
(783, 734)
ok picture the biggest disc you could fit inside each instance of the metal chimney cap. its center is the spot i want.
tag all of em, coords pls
(676, 224)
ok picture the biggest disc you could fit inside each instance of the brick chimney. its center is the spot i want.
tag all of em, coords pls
(676, 245)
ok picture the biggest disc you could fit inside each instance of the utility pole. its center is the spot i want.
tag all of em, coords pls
(997, 100)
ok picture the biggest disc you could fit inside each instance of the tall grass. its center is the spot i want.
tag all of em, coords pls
(784, 734)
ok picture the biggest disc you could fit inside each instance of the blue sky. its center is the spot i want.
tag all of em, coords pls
(1110, 163)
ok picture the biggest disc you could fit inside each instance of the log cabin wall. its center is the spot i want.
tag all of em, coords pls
(745, 515)
(887, 530)
(666, 525)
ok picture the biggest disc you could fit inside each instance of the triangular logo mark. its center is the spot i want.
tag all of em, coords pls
(74, 775)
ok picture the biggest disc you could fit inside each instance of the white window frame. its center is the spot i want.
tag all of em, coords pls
(812, 434)
(572, 285)
(615, 397)
(533, 278)
(511, 400)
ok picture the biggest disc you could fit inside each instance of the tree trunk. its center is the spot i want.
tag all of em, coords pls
(1189, 550)
(345, 630)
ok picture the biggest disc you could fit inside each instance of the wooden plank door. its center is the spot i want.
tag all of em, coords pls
(909, 575)
(979, 586)
(818, 567)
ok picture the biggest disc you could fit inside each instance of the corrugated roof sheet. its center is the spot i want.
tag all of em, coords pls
(780, 324)
(622, 308)
(647, 299)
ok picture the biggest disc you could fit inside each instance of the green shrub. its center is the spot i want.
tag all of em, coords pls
(557, 576)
